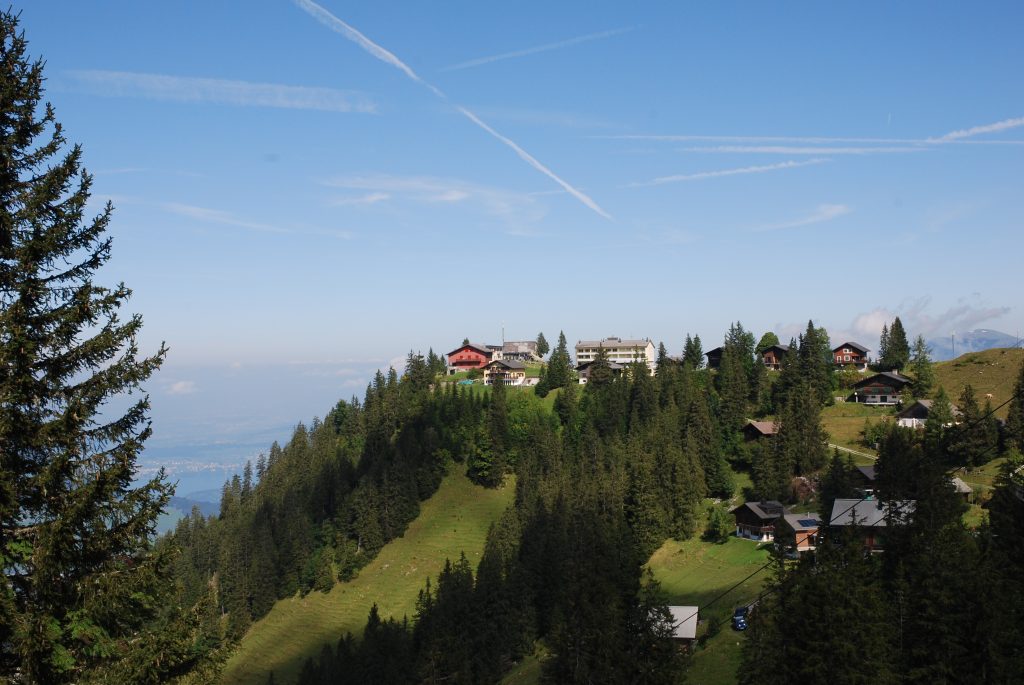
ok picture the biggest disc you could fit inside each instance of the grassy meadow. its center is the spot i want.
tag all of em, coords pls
(454, 520)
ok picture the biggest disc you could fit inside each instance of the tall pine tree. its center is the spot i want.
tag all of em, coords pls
(81, 584)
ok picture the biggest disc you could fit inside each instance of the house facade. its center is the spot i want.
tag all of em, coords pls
(467, 357)
(797, 533)
(505, 372)
(772, 357)
(916, 414)
(583, 371)
(851, 353)
(714, 357)
(617, 350)
(756, 520)
(869, 518)
(880, 389)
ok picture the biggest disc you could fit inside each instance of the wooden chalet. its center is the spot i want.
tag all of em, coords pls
(469, 356)
(916, 414)
(583, 370)
(772, 357)
(756, 520)
(505, 372)
(869, 518)
(714, 357)
(797, 533)
(755, 430)
(880, 389)
(963, 490)
(851, 353)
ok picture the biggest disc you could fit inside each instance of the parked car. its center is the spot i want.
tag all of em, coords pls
(739, 618)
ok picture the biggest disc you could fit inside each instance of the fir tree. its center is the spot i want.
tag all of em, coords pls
(542, 344)
(921, 368)
(895, 350)
(80, 581)
(1015, 415)
(559, 369)
(693, 354)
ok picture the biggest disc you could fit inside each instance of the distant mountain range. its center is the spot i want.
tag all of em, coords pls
(969, 341)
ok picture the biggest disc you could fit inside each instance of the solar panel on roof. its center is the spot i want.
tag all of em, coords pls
(808, 523)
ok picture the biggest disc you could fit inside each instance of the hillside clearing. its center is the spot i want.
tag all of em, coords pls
(454, 520)
(991, 372)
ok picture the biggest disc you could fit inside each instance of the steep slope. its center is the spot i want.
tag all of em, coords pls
(991, 372)
(454, 520)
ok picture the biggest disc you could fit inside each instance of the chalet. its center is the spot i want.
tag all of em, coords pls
(963, 490)
(617, 350)
(684, 623)
(851, 353)
(583, 370)
(756, 520)
(797, 533)
(863, 478)
(869, 518)
(714, 357)
(755, 430)
(505, 372)
(772, 357)
(916, 414)
(520, 350)
(880, 389)
(469, 356)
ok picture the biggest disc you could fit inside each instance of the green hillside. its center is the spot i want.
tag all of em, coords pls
(455, 519)
(991, 372)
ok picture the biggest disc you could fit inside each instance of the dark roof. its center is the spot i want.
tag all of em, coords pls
(715, 352)
(482, 349)
(614, 366)
(768, 510)
(762, 427)
(895, 379)
(801, 522)
(780, 348)
(869, 472)
(868, 512)
(916, 409)
(856, 346)
(508, 363)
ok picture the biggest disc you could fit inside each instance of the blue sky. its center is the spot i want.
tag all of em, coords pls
(328, 185)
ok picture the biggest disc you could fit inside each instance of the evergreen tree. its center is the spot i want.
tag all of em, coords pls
(542, 344)
(693, 353)
(80, 580)
(883, 346)
(921, 368)
(895, 350)
(767, 340)
(977, 439)
(1015, 415)
(559, 368)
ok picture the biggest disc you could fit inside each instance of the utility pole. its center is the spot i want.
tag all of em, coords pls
(952, 342)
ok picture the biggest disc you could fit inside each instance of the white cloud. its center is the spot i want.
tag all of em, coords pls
(368, 199)
(181, 388)
(515, 207)
(349, 32)
(822, 213)
(219, 91)
(538, 49)
(965, 315)
(217, 216)
(725, 172)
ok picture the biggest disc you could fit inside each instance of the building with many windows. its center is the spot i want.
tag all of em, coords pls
(617, 350)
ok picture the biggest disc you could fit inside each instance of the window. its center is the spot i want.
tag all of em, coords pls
(846, 358)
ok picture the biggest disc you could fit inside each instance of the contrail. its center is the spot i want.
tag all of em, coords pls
(538, 48)
(532, 161)
(725, 172)
(349, 32)
(978, 130)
